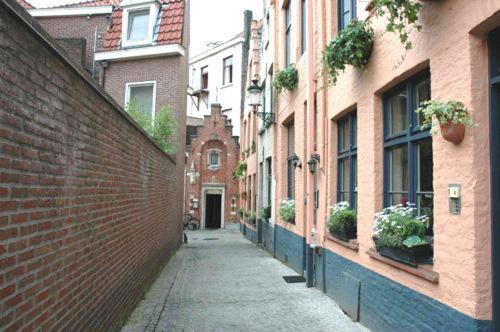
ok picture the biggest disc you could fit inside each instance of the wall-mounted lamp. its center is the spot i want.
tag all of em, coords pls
(313, 162)
(255, 97)
(255, 94)
(296, 161)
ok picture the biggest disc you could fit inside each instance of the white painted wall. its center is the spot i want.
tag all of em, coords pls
(229, 96)
(266, 137)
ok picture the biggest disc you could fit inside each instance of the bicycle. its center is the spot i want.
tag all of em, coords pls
(191, 223)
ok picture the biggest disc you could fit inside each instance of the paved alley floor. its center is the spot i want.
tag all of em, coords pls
(220, 281)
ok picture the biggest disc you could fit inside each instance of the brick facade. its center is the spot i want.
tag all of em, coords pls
(215, 135)
(88, 214)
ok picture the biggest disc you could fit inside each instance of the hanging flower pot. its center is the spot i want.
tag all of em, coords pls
(453, 132)
(452, 117)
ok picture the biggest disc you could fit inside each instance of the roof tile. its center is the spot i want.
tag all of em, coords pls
(169, 29)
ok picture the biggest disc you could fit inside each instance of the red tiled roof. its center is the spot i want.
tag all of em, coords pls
(25, 4)
(169, 30)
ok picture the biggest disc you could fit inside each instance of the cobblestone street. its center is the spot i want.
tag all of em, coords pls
(220, 281)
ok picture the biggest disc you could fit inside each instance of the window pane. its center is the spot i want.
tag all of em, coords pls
(355, 180)
(143, 98)
(424, 155)
(423, 93)
(398, 119)
(138, 25)
(354, 130)
(398, 163)
(344, 180)
(344, 131)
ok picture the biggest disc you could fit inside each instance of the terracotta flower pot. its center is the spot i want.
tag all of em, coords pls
(453, 132)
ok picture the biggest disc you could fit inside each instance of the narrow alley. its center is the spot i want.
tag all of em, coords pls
(220, 281)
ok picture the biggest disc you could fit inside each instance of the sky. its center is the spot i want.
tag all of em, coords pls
(211, 20)
(218, 20)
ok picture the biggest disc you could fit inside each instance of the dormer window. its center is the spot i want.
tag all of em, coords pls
(138, 24)
(139, 17)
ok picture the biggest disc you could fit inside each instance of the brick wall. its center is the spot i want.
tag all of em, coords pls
(76, 27)
(86, 198)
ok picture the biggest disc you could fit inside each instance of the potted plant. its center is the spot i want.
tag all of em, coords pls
(243, 195)
(251, 217)
(241, 170)
(401, 15)
(241, 213)
(352, 46)
(400, 234)
(286, 79)
(342, 221)
(452, 117)
(287, 210)
(265, 212)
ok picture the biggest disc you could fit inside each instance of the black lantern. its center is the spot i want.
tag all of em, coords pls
(313, 162)
(296, 161)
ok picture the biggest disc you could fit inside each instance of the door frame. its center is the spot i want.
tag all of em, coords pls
(213, 190)
(494, 123)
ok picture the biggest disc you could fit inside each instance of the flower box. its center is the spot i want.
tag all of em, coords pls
(345, 233)
(408, 255)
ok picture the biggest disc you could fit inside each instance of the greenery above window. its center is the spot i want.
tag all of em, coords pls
(287, 210)
(286, 79)
(451, 111)
(241, 170)
(341, 216)
(402, 15)
(352, 46)
(163, 129)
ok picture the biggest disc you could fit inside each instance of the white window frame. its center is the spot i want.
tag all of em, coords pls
(219, 154)
(153, 13)
(138, 84)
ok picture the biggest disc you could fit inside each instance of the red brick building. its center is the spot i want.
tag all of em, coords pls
(211, 188)
(136, 49)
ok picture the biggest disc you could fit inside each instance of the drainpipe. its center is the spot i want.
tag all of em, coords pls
(311, 183)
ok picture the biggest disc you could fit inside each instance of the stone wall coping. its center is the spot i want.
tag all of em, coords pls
(31, 23)
(352, 244)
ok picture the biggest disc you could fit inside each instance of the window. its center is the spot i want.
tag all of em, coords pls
(347, 12)
(288, 25)
(408, 171)
(303, 26)
(141, 96)
(346, 160)
(228, 71)
(213, 159)
(291, 157)
(204, 78)
(190, 132)
(138, 25)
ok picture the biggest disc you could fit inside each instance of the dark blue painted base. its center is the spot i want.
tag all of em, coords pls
(267, 242)
(251, 234)
(290, 249)
(385, 305)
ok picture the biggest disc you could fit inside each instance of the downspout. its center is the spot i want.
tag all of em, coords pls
(310, 144)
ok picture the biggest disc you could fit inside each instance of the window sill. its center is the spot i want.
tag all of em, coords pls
(352, 244)
(226, 85)
(422, 271)
(211, 168)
